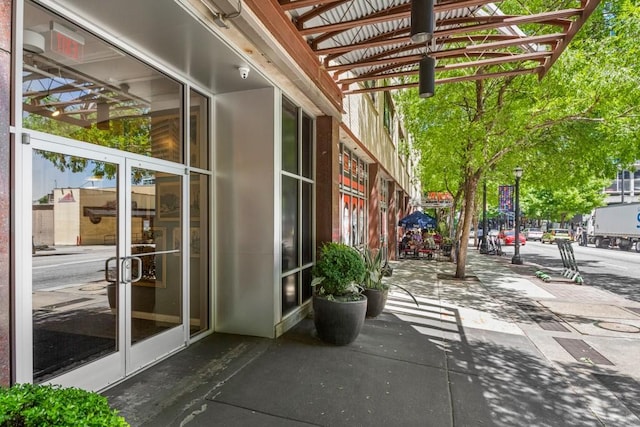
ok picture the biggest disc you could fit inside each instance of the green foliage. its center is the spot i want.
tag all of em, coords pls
(339, 271)
(577, 125)
(373, 263)
(130, 134)
(562, 204)
(29, 405)
(374, 266)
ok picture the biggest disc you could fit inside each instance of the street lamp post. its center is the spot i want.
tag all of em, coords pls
(516, 256)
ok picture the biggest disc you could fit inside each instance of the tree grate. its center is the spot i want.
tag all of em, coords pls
(543, 317)
(582, 352)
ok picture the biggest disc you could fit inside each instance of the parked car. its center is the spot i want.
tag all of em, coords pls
(555, 233)
(533, 234)
(509, 238)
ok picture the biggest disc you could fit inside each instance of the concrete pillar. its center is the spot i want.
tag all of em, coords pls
(392, 220)
(327, 180)
(6, 8)
(374, 206)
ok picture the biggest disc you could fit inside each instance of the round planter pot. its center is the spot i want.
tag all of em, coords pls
(376, 300)
(338, 322)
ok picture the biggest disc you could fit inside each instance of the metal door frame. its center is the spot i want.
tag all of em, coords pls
(129, 358)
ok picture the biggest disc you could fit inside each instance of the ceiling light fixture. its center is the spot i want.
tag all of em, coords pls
(33, 41)
(422, 21)
(427, 77)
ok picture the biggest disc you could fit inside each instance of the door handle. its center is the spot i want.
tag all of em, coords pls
(127, 269)
(110, 273)
(138, 261)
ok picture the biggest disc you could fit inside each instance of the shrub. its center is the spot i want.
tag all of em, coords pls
(374, 269)
(29, 405)
(339, 271)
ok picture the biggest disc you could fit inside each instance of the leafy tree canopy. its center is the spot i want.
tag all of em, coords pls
(576, 125)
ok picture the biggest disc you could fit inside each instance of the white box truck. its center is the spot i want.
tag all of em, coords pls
(615, 225)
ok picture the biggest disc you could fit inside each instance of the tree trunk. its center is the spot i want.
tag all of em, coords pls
(471, 185)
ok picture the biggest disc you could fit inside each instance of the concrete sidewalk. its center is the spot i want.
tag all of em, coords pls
(501, 348)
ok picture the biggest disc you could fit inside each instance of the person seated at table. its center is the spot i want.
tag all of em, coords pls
(406, 240)
(437, 238)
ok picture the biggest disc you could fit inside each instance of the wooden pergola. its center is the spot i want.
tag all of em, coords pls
(365, 45)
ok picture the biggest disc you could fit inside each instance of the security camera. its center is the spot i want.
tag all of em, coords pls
(244, 72)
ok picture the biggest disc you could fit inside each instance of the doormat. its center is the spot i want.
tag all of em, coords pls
(56, 352)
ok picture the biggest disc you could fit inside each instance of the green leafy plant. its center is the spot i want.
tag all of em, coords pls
(375, 271)
(31, 405)
(338, 272)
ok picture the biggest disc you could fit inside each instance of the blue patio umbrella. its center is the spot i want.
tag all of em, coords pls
(418, 219)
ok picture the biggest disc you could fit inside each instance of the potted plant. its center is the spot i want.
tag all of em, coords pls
(338, 303)
(374, 289)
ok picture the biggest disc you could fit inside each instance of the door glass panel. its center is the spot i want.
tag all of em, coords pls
(156, 298)
(74, 277)
(198, 130)
(290, 220)
(199, 253)
(289, 136)
(78, 86)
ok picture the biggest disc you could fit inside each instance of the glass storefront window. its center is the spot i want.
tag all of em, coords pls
(199, 244)
(198, 130)
(353, 200)
(290, 137)
(78, 86)
(297, 206)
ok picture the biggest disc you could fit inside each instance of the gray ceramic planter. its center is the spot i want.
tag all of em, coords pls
(338, 322)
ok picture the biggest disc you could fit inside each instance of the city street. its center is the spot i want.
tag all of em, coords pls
(70, 266)
(609, 269)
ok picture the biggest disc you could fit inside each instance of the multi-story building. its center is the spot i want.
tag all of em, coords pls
(625, 188)
(170, 167)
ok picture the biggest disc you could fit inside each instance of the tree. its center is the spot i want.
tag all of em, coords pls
(566, 129)
(562, 204)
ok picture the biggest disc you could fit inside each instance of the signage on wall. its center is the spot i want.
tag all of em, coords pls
(66, 42)
(436, 199)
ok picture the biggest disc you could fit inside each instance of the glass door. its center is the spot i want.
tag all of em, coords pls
(106, 270)
(152, 270)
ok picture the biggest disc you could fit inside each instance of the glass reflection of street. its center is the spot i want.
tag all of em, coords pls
(68, 266)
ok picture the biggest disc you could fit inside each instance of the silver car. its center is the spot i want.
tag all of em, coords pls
(533, 234)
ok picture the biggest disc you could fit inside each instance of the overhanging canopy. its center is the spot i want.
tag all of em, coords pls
(367, 41)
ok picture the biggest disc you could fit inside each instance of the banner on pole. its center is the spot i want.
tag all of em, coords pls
(505, 195)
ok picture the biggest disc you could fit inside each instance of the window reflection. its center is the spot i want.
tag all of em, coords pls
(77, 86)
(74, 218)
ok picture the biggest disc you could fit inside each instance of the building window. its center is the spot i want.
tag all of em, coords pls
(388, 114)
(353, 198)
(297, 206)
(76, 88)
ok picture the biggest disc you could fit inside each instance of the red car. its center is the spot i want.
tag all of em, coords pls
(509, 238)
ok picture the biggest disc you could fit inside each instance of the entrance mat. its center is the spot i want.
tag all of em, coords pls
(626, 389)
(56, 351)
(582, 351)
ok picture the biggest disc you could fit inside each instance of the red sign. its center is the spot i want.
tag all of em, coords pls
(66, 46)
